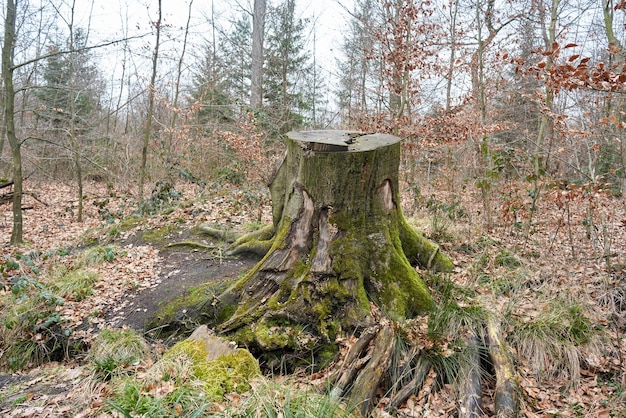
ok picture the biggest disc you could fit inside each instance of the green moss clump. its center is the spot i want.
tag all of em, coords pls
(272, 335)
(130, 223)
(158, 236)
(228, 373)
(388, 276)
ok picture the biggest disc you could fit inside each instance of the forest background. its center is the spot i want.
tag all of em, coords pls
(511, 113)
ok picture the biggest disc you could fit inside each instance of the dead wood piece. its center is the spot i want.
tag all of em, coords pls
(6, 184)
(471, 390)
(351, 364)
(364, 389)
(414, 386)
(506, 400)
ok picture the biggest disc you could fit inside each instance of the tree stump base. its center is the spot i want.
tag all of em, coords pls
(338, 243)
(338, 260)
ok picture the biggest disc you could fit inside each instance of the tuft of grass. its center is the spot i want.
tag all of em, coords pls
(508, 260)
(456, 312)
(75, 285)
(98, 255)
(554, 339)
(272, 399)
(115, 350)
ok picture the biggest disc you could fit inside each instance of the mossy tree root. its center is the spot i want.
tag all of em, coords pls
(192, 244)
(421, 251)
(220, 234)
(258, 242)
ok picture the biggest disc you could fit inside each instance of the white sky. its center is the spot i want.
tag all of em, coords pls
(109, 18)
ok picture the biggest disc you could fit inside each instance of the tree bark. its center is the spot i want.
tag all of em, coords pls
(151, 93)
(9, 118)
(339, 244)
(258, 28)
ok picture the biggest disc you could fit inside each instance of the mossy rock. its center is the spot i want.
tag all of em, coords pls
(230, 372)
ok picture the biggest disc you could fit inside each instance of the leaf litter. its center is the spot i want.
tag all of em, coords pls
(580, 258)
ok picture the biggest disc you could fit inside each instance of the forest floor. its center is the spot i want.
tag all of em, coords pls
(575, 252)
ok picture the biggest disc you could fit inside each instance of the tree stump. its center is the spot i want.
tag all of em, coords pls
(339, 244)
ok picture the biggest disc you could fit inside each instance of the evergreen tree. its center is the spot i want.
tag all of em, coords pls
(288, 85)
(222, 78)
(72, 87)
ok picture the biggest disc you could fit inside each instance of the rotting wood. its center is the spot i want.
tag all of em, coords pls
(471, 389)
(351, 364)
(414, 386)
(506, 397)
(338, 253)
(363, 392)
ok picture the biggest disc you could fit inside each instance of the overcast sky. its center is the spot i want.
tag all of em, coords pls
(109, 17)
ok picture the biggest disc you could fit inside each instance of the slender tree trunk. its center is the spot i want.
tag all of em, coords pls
(616, 50)
(151, 92)
(179, 72)
(74, 143)
(453, 14)
(9, 118)
(258, 28)
(545, 123)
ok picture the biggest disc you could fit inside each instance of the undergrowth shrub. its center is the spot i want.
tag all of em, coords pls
(163, 195)
(32, 327)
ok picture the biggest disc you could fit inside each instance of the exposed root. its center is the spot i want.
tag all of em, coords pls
(353, 362)
(258, 242)
(226, 236)
(365, 372)
(365, 385)
(192, 244)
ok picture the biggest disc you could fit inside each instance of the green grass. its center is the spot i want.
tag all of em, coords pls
(554, 338)
(32, 327)
(272, 400)
(115, 350)
(75, 285)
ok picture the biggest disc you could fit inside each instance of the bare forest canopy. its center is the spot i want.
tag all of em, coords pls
(136, 95)
(537, 86)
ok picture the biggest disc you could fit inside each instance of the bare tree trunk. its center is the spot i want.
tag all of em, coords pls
(179, 72)
(151, 92)
(453, 14)
(258, 28)
(75, 146)
(9, 118)
(545, 123)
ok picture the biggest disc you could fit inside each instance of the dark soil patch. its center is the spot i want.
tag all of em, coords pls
(183, 268)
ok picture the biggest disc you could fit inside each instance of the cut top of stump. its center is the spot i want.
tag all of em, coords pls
(341, 141)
